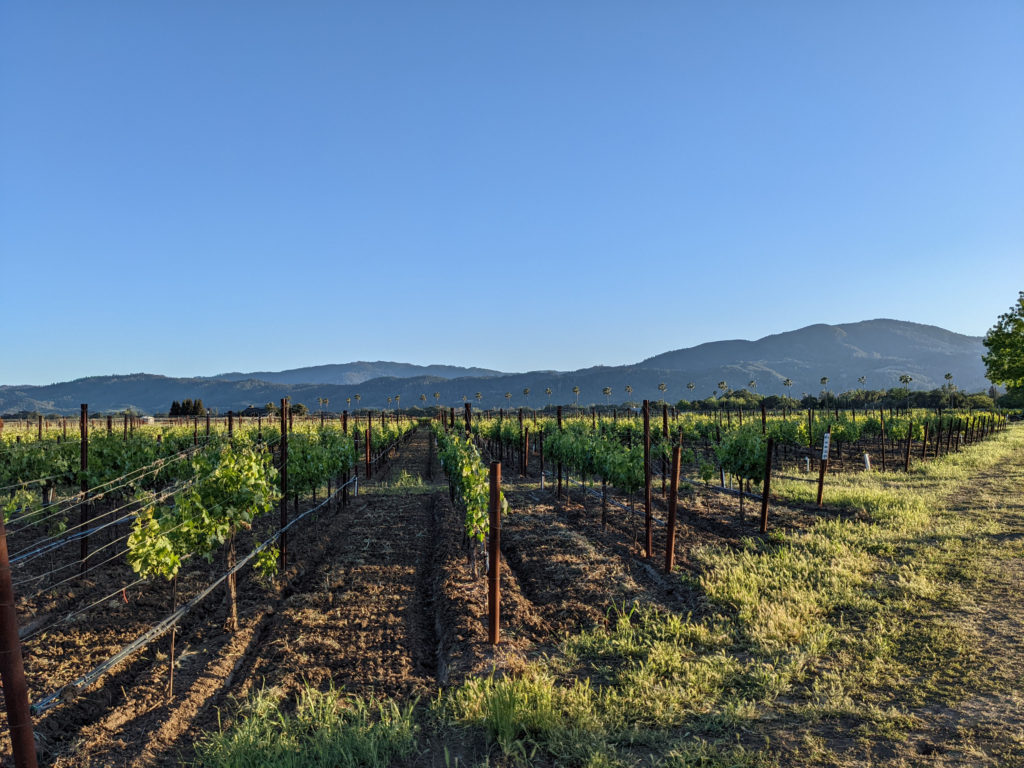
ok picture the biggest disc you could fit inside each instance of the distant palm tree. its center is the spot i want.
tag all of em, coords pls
(788, 384)
(663, 388)
(862, 380)
(508, 398)
(437, 397)
(629, 391)
(547, 391)
(905, 381)
(389, 402)
(691, 386)
(397, 398)
(526, 394)
(576, 391)
(824, 386)
(607, 392)
(478, 397)
(423, 399)
(348, 401)
(753, 385)
(724, 387)
(358, 398)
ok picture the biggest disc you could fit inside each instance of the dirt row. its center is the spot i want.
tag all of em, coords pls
(379, 599)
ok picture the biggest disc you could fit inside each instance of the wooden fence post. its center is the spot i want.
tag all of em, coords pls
(673, 502)
(648, 518)
(494, 557)
(285, 419)
(767, 485)
(12, 668)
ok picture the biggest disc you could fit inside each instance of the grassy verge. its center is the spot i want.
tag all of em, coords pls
(326, 729)
(824, 646)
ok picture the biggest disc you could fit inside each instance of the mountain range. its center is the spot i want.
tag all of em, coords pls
(879, 350)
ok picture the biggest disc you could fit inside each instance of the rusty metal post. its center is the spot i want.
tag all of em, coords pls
(673, 504)
(285, 413)
(765, 490)
(648, 518)
(12, 668)
(83, 463)
(494, 558)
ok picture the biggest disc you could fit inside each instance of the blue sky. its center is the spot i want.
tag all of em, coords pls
(188, 188)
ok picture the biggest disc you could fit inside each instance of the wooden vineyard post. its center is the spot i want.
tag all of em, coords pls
(40, 437)
(664, 435)
(231, 424)
(526, 451)
(648, 519)
(494, 557)
(207, 424)
(673, 504)
(124, 435)
(881, 416)
(558, 414)
(910, 437)
(824, 464)
(367, 457)
(344, 422)
(764, 419)
(83, 463)
(924, 444)
(283, 556)
(767, 485)
(110, 424)
(540, 447)
(12, 668)
(468, 418)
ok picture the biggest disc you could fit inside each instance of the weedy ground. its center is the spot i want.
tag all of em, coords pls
(891, 636)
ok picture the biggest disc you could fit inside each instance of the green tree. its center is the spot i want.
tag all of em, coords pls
(1004, 363)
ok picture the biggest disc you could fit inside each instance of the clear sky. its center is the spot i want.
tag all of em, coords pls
(188, 188)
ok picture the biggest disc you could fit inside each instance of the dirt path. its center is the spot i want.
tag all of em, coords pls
(984, 726)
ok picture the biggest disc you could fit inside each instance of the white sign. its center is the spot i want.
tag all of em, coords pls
(824, 446)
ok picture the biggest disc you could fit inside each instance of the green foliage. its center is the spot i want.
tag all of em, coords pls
(231, 487)
(742, 452)
(1004, 363)
(470, 479)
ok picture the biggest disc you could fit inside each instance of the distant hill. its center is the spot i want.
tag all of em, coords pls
(879, 350)
(355, 373)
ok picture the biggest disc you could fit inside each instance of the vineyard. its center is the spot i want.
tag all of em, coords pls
(165, 573)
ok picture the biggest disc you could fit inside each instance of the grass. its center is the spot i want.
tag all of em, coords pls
(326, 729)
(822, 646)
